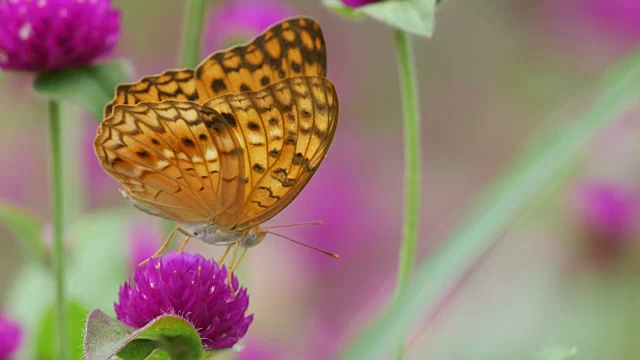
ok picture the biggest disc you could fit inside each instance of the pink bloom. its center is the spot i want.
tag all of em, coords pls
(10, 337)
(358, 3)
(192, 287)
(44, 35)
(240, 20)
(608, 210)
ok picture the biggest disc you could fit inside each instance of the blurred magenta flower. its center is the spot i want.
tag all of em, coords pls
(357, 3)
(608, 210)
(100, 186)
(361, 228)
(43, 35)
(10, 337)
(144, 240)
(240, 20)
(261, 349)
(190, 286)
(608, 20)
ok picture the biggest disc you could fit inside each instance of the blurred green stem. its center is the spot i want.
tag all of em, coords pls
(57, 206)
(500, 204)
(190, 54)
(412, 175)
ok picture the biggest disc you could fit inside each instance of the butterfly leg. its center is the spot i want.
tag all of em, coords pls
(235, 266)
(184, 244)
(224, 256)
(162, 248)
(231, 266)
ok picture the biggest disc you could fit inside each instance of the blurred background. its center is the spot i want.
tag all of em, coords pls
(496, 75)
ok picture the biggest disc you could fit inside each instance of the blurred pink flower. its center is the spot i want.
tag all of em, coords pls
(260, 349)
(144, 241)
(23, 183)
(49, 35)
(608, 210)
(357, 3)
(240, 20)
(360, 224)
(605, 20)
(10, 337)
(96, 179)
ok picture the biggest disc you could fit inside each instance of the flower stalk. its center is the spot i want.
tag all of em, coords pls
(190, 53)
(412, 151)
(57, 220)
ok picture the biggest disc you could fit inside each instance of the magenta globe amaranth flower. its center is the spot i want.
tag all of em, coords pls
(608, 210)
(10, 337)
(358, 3)
(192, 287)
(43, 35)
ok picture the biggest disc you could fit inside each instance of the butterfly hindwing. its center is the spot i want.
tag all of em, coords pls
(171, 157)
(286, 129)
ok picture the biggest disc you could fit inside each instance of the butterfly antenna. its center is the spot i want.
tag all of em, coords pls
(314, 223)
(333, 255)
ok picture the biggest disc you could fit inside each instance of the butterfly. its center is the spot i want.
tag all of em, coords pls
(224, 147)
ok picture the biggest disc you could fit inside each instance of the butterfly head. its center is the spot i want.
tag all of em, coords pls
(252, 237)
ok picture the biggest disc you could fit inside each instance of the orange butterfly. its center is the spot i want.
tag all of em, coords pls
(225, 147)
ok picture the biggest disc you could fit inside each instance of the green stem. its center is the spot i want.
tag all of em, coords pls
(190, 54)
(57, 206)
(412, 175)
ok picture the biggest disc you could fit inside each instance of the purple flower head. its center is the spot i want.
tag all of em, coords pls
(608, 210)
(358, 3)
(10, 337)
(43, 35)
(190, 286)
(241, 20)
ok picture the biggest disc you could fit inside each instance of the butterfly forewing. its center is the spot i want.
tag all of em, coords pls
(291, 48)
(172, 158)
(286, 130)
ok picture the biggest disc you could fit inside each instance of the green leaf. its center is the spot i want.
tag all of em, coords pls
(98, 264)
(558, 353)
(26, 228)
(28, 297)
(106, 337)
(91, 87)
(498, 207)
(413, 16)
(45, 341)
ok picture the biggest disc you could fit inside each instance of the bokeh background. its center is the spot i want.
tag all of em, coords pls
(497, 75)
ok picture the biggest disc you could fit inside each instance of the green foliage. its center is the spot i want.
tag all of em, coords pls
(98, 262)
(26, 228)
(91, 87)
(413, 16)
(45, 341)
(174, 336)
(28, 299)
(558, 353)
(498, 207)
(96, 269)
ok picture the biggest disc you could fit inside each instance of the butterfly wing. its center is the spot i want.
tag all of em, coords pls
(286, 129)
(290, 48)
(177, 160)
(170, 85)
(293, 47)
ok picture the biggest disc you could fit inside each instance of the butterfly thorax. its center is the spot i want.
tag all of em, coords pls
(213, 234)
